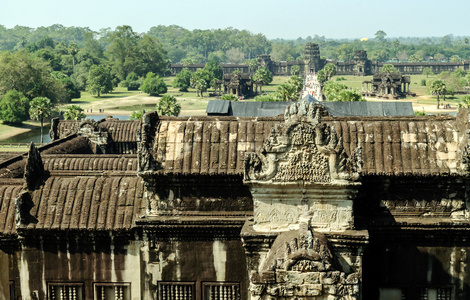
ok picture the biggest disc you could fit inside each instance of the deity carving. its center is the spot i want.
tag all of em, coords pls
(302, 149)
(300, 265)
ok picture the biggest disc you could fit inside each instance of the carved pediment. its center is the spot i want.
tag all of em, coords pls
(302, 149)
(301, 251)
(301, 265)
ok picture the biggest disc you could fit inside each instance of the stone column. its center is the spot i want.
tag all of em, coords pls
(4, 276)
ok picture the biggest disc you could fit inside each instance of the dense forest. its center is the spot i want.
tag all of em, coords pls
(58, 62)
(233, 45)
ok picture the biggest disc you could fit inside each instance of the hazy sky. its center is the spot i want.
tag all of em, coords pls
(274, 18)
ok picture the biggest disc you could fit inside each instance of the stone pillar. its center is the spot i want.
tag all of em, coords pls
(4, 276)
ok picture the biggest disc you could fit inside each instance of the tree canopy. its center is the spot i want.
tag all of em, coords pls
(330, 70)
(74, 112)
(14, 107)
(263, 76)
(99, 80)
(334, 91)
(389, 68)
(153, 85)
(183, 80)
(167, 106)
(30, 76)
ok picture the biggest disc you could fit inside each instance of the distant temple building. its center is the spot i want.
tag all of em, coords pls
(360, 65)
(235, 84)
(387, 85)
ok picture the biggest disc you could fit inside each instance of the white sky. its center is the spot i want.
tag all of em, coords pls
(274, 18)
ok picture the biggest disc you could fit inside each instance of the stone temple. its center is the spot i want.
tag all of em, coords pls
(299, 206)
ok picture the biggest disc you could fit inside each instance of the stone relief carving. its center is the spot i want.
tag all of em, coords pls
(146, 137)
(97, 136)
(302, 174)
(303, 149)
(299, 265)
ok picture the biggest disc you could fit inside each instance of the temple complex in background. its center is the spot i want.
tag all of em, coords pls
(360, 65)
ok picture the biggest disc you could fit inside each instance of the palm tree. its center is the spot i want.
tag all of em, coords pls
(73, 49)
(40, 109)
(438, 88)
(74, 112)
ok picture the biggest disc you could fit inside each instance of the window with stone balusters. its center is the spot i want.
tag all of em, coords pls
(436, 293)
(65, 291)
(112, 291)
(176, 291)
(221, 291)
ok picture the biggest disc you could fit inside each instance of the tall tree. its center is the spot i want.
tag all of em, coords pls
(334, 91)
(235, 55)
(99, 80)
(402, 56)
(286, 92)
(330, 70)
(380, 35)
(123, 52)
(438, 88)
(153, 56)
(200, 80)
(321, 77)
(427, 71)
(40, 109)
(73, 49)
(263, 77)
(298, 84)
(295, 70)
(416, 58)
(215, 70)
(439, 57)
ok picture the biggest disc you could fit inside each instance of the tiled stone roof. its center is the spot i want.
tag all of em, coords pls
(391, 146)
(87, 202)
